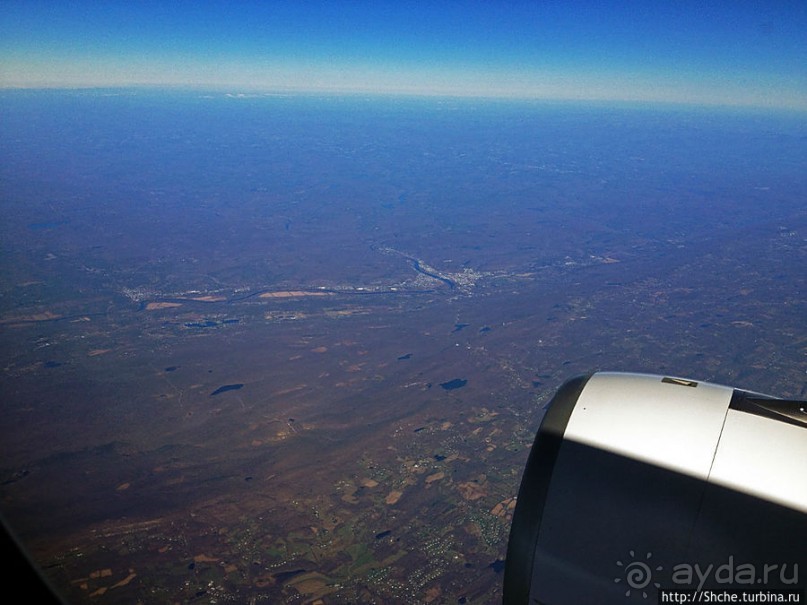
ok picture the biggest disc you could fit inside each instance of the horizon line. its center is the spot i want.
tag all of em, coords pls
(244, 91)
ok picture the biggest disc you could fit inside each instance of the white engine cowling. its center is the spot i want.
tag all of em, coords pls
(638, 484)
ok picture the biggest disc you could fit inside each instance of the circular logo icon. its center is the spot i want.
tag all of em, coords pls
(637, 574)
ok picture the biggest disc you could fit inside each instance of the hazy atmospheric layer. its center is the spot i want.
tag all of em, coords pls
(285, 347)
(729, 53)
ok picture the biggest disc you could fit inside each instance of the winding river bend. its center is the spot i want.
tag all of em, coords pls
(417, 265)
(419, 268)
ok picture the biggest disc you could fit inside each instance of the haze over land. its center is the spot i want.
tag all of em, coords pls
(297, 348)
(285, 287)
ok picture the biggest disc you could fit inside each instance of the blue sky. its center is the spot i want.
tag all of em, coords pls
(732, 52)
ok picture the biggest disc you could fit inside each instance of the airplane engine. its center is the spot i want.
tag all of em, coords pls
(639, 484)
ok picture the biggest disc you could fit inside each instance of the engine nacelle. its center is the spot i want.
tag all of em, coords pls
(639, 483)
